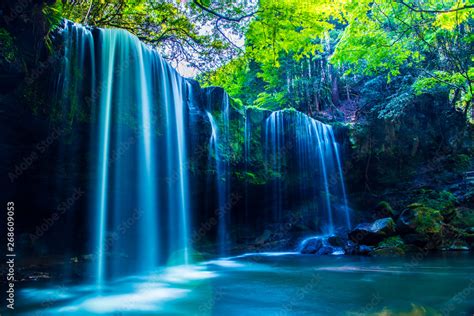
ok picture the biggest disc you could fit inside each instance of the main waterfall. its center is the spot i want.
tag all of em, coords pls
(164, 154)
(141, 209)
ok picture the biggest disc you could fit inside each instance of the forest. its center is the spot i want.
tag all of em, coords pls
(280, 157)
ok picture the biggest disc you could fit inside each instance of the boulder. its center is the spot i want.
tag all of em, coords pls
(392, 247)
(418, 240)
(373, 233)
(420, 219)
(311, 245)
(336, 241)
(352, 249)
(325, 250)
(320, 246)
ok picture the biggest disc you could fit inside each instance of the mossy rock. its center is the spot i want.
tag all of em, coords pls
(421, 219)
(389, 252)
(391, 247)
(373, 233)
(395, 241)
(444, 201)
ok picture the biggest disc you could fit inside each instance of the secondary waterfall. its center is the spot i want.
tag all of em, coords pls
(218, 143)
(140, 213)
(303, 148)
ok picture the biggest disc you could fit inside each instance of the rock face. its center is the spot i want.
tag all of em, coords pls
(373, 233)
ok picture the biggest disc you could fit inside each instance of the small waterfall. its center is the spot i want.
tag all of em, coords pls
(139, 109)
(275, 154)
(247, 148)
(218, 142)
(305, 148)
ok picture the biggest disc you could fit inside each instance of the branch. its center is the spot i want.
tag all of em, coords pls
(238, 19)
(225, 36)
(418, 9)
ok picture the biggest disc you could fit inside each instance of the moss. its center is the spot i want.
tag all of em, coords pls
(427, 220)
(389, 252)
(394, 241)
(250, 177)
(444, 201)
(384, 209)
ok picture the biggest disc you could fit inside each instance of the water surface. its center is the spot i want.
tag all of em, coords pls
(274, 284)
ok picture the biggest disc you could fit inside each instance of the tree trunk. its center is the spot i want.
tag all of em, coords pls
(334, 87)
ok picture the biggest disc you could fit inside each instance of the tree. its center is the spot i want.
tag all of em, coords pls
(176, 29)
(301, 48)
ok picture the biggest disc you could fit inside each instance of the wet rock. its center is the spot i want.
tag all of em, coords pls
(458, 245)
(336, 241)
(373, 233)
(319, 246)
(418, 240)
(352, 249)
(325, 250)
(312, 245)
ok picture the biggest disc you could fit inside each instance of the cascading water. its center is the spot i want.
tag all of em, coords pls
(296, 144)
(275, 154)
(218, 141)
(140, 109)
(247, 148)
(140, 114)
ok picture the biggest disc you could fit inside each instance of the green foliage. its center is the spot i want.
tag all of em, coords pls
(172, 27)
(309, 55)
(294, 49)
(53, 13)
(384, 208)
(443, 201)
(8, 50)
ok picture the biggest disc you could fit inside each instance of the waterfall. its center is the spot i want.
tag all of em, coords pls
(247, 148)
(275, 154)
(144, 119)
(139, 109)
(298, 145)
(218, 143)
